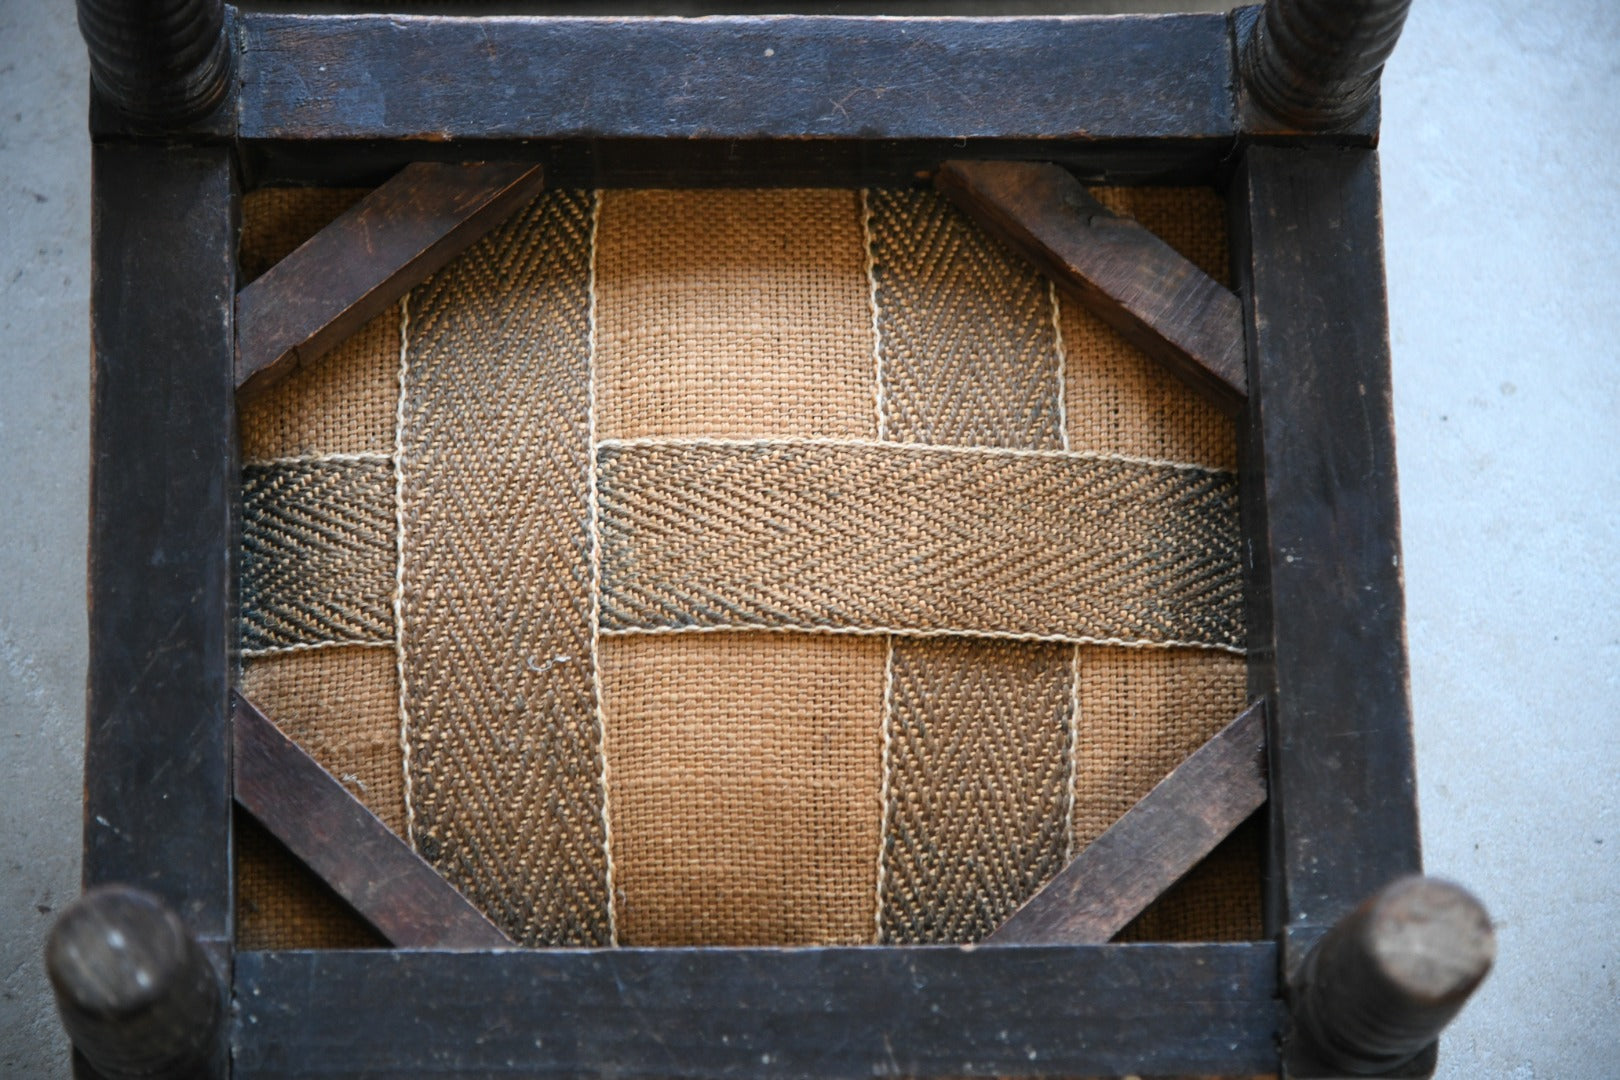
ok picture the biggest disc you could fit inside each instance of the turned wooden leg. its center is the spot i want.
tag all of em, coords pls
(136, 993)
(1377, 989)
(1316, 63)
(160, 62)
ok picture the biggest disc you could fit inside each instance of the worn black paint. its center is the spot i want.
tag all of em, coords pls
(1017, 1011)
(735, 77)
(1326, 620)
(162, 511)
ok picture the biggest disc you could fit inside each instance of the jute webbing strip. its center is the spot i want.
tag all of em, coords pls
(967, 343)
(978, 784)
(726, 313)
(505, 757)
(880, 538)
(318, 559)
(976, 807)
(744, 787)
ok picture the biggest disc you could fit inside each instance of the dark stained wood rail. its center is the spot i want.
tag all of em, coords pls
(1040, 1011)
(1316, 63)
(373, 254)
(734, 100)
(157, 782)
(332, 832)
(1326, 622)
(161, 63)
(1132, 280)
(1152, 846)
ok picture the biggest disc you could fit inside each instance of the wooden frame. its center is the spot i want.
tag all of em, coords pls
(1234, 101)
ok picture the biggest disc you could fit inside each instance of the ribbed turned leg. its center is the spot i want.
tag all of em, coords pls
(1381, 984)
(1316, 63)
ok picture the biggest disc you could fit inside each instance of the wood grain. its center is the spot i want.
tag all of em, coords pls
(1152, 846)
(373, 254)
(735, 100)
(735, 77)
(157, 805)
(158, 67)
(1315, 64)
(345, 844)
(1132, 280)
(1147, 1010)
(1327, 638)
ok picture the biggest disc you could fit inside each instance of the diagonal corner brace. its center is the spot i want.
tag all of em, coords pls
(346, 845)
(373, 254)
(1128, 277)
(1152, 846)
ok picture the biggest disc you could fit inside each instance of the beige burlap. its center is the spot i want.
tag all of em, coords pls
(732, 313)
(281, 904)
(496, 619)
(318, 553)
(1119, 401)
(736, 350)
(1219, 900)
(342, 706)
(1142, 711)
(344, 402)
(883, 537)
(743, 787)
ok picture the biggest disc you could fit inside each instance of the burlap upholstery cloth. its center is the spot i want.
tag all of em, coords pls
(741, 567)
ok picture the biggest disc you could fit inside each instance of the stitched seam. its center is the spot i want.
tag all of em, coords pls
(886, 728)
(872, 299)
(595, 516)
(1073, 753)
(1062, 367)
(377, 457)
(309, 646)
(926, 448)
(399, 568)
(920, 632)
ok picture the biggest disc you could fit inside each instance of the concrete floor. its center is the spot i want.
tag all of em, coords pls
(1501, 169)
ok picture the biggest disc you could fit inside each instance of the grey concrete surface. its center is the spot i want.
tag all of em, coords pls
(1502, 190)
(44, 462)
(1501, 167)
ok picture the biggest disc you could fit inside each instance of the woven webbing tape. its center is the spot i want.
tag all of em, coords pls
(912, 540)
(317, 553)
(741, 567)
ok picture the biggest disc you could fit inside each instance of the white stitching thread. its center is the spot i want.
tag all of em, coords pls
(595, 516)
(872, 299)
(1062, 367)
(372, 457)
(1074, 752)
(919, 632)
(926, 448)
(399, 567)
(310, 646)
(886, 727)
